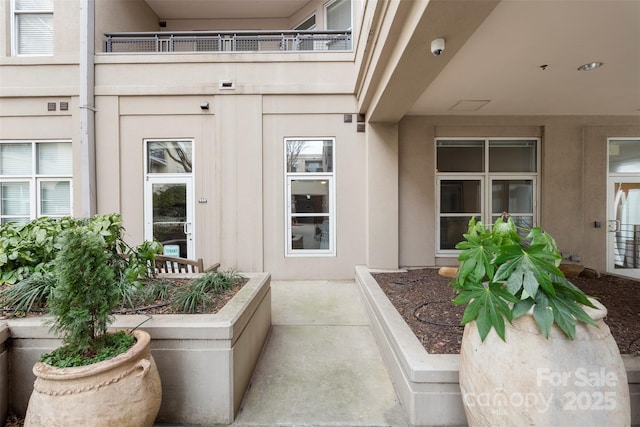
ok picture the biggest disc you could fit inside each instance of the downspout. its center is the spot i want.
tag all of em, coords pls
(87, 111)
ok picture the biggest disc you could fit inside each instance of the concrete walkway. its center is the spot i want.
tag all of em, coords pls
(321, 365)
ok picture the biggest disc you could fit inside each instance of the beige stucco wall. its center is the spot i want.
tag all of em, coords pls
(238, 166)
(122, 15)
(322, 116)
(572, 178)
(238, 170)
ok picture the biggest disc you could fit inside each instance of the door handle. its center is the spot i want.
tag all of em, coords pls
(614, 226)
(186, 228)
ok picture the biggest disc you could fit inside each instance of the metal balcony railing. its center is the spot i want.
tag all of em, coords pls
(627, 246)
(228, 41)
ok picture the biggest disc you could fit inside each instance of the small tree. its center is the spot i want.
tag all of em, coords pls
(86, 291)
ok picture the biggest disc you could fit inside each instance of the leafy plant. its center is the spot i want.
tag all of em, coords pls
(502, 275)
(106, 347)
(202, 289)
(86, 291)
(30, 249)
(29, 293)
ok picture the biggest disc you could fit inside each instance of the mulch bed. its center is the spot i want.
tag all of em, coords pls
(164, 306)
(423, 298)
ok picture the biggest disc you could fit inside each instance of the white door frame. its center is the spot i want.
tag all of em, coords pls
(189, 227)
(615, 226)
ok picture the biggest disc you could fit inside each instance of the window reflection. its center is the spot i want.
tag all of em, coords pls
(309, 156)
(169, 157)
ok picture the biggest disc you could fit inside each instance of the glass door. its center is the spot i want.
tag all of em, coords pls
(623, 207)
(516, 197)
(459, 199)
(168, 215)
(624, 226)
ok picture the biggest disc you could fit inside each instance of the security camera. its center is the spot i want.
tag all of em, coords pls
(437, 46)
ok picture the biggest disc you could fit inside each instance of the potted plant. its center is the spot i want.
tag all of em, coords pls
(96, 378)
(553, 361)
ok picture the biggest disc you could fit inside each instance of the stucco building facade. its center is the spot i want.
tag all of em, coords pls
(303, 138)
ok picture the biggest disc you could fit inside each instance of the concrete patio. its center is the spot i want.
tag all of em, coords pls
(321, 365)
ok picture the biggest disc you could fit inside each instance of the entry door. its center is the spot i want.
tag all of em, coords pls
(624, 226)
(169, 214)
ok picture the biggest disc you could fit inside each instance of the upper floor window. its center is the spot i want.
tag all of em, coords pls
(33, 27)
(310, 203)
(35, 180)
(338, 17)
(307, 24)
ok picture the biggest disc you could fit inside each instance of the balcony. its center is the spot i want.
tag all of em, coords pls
(227, 41)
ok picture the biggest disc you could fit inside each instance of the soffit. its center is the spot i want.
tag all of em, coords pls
(502, 62)
(225, 9)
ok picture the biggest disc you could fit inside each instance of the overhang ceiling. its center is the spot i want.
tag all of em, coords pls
(225, 9)
(524, 58)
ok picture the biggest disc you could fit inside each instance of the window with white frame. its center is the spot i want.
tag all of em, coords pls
(338, 17)
(310, 207)
(35, 180)
(483, 178)
(33, 27)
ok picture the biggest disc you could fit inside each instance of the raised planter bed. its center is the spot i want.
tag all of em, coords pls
(427, 384)
(205, 360)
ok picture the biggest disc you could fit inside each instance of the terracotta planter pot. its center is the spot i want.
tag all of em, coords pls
(533, 381)
(123, 391)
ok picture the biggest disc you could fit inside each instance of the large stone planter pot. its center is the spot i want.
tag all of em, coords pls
(533, 381)
(123, 391)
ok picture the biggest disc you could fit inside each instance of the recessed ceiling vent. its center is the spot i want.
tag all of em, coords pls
(470, 105)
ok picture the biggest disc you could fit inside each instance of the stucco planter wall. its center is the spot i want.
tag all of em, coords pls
(4, 370)
(427, 384)
(205, 361)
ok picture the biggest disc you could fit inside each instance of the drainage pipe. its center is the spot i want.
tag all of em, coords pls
(87, 109)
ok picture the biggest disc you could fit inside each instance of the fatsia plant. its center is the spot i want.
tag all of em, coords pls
(502, 276)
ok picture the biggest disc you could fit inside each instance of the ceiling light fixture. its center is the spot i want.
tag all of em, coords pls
(590, 66)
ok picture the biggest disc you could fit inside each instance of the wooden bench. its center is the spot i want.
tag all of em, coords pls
(171, 265)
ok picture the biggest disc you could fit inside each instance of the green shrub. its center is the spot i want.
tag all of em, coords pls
(107, 346)
(201, 290)
(31, 249)
(86, 291)
(27, 248)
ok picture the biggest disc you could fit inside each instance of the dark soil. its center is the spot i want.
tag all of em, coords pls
(166, 305)
(423, 298)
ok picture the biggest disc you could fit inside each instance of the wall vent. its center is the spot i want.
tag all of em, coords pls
(64, 106)
(226, 84)
(51, 106)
